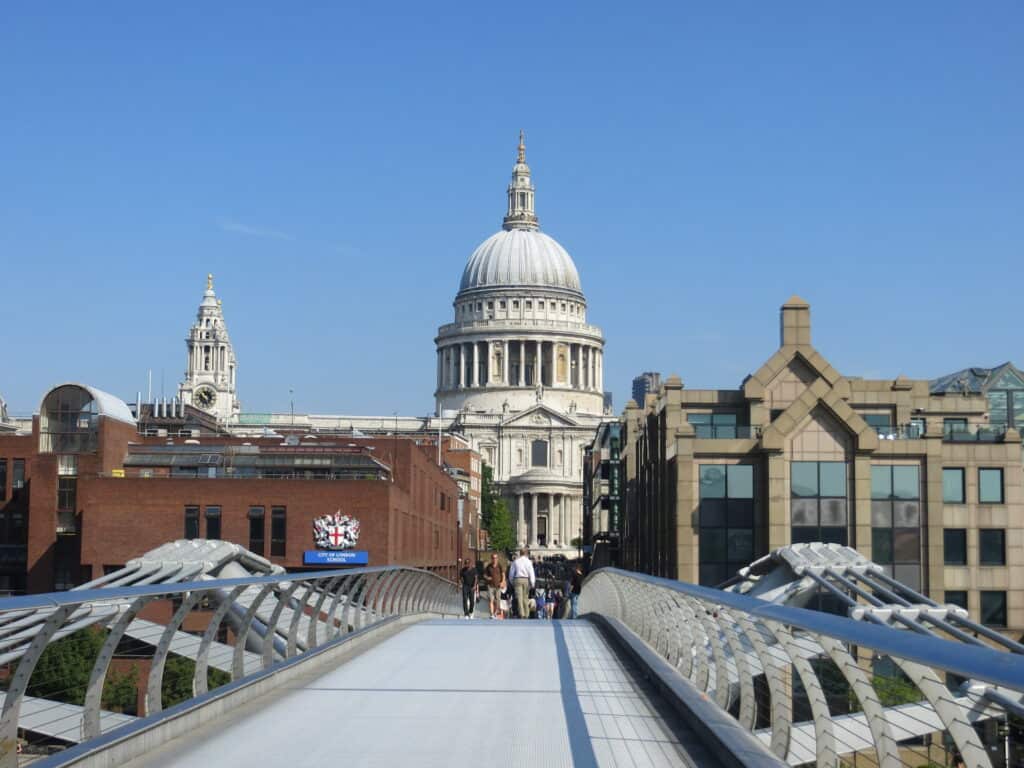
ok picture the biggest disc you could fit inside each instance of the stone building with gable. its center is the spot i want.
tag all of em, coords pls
(923, 477)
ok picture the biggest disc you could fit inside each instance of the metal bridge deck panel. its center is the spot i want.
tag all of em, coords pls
(534, 693)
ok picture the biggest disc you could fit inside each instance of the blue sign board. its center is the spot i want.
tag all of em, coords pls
(335, 557)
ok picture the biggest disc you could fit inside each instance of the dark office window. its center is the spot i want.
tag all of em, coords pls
(715, 425)
(67, 493)
(957, 597)
(278, 531)
(896, 520)
(993, 608)
(991, 546)
(539, 453)
(726, 520)
(256, 534)
(990, 486)
(949, 426)
(3, 479)
(877, 420)
(18, 476)
(953, 485)
(954, 545)
(818, 501)
(191, 522)
(213, 522)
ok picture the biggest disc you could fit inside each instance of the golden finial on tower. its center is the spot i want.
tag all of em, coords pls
(522, 146)
(209, 281)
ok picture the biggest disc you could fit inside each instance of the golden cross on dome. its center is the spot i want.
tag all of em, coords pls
(522, 146)
(209, 281)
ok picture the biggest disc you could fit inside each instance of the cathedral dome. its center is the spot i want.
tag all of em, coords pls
(520, 257)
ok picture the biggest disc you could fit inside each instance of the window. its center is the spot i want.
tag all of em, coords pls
(18, 476)
(953, 485)
(726, 520)
(213, 522)
(278, 531)
(540, 305)
(191, 522)
(67, 491)
(993, 608)
(529, 305)
(954, 544)
(3, 479)
(990, 486)
(877, 420)
(256, 535)
(539, 453)
(950, 426)
(896, 520)
(515, 305)
(713, 425)
(957, 597)
(991, 546)
(501, 304)
(818, 501)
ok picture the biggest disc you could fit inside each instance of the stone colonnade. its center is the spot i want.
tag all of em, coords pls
(560, 512)
(520, 363)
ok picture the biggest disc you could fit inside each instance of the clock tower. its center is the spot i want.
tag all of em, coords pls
(210, 375)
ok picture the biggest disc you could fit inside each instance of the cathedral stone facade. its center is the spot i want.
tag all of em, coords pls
(519, 370)
(210, 373)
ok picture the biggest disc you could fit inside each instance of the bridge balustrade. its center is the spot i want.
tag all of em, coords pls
(758, 659)
(229, 630)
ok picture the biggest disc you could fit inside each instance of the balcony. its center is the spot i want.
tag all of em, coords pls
(900, 432)
(725, 431)
(977, 435)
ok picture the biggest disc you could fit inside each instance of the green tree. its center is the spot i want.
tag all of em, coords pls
(502, 536)
(488, 496)
(63, 670)
(177, 682)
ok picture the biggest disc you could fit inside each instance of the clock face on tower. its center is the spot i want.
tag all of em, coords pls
(205, 397)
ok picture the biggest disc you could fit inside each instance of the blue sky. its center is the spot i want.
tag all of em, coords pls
(335, 165)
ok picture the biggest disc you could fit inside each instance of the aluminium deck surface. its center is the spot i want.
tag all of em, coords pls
(443, 693)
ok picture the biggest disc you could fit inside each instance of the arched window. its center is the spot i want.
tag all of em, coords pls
(539, 453)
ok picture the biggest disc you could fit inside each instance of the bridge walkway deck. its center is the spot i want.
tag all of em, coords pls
(445, 693)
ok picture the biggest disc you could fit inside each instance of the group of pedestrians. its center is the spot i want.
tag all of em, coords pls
(518, 586)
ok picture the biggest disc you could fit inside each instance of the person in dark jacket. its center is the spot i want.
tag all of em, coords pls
(575, 585)
(470, 585)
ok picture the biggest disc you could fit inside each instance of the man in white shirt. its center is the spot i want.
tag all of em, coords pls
(522, 577)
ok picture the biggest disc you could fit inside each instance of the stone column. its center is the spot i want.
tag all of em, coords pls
(522, 363)
(521, 521)
(462, 365)
(504, 363)
(579, 366)
(533, 519)
(600, 370)
(476, 364)
(440, 370)
(592, 367)
(452, 378)
(540, 363)
(561, 520)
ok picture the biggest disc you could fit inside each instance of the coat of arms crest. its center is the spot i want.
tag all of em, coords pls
(335, 531)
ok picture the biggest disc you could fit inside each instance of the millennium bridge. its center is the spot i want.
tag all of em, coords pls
(812, 656)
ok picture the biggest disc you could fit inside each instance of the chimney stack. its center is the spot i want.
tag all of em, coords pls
(795, 323)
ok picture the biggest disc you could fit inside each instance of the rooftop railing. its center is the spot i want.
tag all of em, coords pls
(979, 434)
(725, 432)
(900, 432)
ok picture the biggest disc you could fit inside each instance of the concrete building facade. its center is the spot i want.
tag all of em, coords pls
(925, 478)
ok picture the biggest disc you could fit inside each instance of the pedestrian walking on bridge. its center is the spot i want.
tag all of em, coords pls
(470, 585)
(494, 577)
(521, 574)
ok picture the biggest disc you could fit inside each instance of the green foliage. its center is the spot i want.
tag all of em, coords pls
(502, 537)
(896, 689)
(576, 542)
(488, 497)
(177, 684)
(63, 671)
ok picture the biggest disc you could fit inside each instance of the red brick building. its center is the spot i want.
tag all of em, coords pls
(86, 492)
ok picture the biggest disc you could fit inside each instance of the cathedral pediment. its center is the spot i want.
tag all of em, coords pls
(540, 415)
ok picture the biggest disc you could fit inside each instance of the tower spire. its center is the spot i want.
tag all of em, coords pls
(520, 213)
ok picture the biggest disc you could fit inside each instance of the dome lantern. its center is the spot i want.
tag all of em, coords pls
(520, 214)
